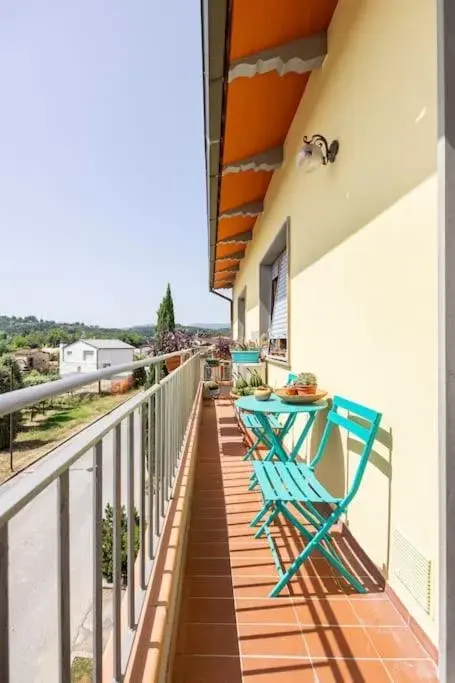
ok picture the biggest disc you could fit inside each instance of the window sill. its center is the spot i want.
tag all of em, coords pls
(278, 361)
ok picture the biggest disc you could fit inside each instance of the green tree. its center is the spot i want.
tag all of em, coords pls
(9, 370)
(165, 317)
(107, 530)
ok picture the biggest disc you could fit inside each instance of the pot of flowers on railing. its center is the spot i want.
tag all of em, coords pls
(169, 342)
(248, 353)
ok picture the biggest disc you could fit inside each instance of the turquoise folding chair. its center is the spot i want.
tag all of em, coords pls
(252, 423)
(294, 485)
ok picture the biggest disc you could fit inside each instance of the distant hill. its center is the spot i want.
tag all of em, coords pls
(31, 332)
(210, 326)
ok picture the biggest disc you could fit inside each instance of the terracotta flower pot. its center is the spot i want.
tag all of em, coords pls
(291, 391)
(305, 391)
(173, 363)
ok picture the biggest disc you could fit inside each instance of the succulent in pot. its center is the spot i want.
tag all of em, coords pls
(255, 379)
(306, 383)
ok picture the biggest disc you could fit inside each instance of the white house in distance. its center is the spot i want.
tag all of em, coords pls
(89, 355)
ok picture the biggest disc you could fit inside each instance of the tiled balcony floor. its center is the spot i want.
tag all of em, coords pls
(230, 631)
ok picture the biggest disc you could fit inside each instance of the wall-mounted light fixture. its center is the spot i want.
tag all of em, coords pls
(316, 151)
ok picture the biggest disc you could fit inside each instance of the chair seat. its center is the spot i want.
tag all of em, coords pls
(291, 482)
(251, 421)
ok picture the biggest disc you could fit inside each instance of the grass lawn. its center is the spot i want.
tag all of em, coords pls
(42, 434)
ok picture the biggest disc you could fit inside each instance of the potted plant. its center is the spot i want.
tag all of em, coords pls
(245, 353)
(306, 383)
(262, 393)
(212, 389)
(222, 348)
(169, 342)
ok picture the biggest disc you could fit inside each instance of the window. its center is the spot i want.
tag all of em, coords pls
(106, 365)
(88, 355)
(69, 353)
(278, 328)
(273, 295)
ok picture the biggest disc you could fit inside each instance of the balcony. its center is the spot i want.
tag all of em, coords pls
(196, 609)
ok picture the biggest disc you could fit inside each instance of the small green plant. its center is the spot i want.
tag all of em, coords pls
(139, 377)
(108, 542)
(255, 379)
(306, 380)
(246, 346)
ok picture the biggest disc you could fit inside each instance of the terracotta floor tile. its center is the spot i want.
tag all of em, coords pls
(394, 643)
(256, 568)
(208, 524)
(196, 669)
(257, 559)
(282, 670)
(208, 639)
(208, 513)
(208, 567)
(201, 535)
(265, 611)
(208, 587)
(255, 586)
(212, 549)
(244, 517)
(271, 641)
(208, 610)
(350, 671)
(310, 586)
(334, 612)
(334, 642)
(416, 671)
(253, 501)
(377, 613)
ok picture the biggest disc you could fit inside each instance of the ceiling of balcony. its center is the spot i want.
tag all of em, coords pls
(251, 99)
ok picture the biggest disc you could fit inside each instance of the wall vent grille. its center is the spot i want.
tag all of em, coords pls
(413, 570)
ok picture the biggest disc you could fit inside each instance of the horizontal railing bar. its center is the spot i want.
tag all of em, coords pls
(16, 400)
(64, 456)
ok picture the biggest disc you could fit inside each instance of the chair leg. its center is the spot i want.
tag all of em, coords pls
(251, 450)
(262, 529)
(315, 541)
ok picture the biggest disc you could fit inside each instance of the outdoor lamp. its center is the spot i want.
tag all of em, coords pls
(316, 151)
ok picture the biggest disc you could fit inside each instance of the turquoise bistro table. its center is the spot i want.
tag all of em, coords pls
(275, 407)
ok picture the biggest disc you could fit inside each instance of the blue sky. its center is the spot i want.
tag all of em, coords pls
(102, 190)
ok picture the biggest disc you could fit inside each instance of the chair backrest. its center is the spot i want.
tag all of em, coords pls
(364, 430)
(291, 378)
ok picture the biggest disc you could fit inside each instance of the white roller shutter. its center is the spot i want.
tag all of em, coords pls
(279, 321)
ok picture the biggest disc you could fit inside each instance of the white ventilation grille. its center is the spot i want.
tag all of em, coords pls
(413, 570)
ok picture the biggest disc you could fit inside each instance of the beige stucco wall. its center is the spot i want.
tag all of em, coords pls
(363, 263)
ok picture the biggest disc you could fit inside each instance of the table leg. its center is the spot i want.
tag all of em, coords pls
(275, 441)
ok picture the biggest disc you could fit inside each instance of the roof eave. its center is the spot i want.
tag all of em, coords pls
(214, 48)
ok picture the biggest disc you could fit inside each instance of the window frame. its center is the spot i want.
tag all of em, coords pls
(241, 315)
(279, 244)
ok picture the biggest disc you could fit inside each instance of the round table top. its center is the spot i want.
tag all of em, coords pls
(276, 406)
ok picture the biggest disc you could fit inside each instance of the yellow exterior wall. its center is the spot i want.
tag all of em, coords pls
(363, 264)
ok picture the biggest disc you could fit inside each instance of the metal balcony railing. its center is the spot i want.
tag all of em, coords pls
(156, 421)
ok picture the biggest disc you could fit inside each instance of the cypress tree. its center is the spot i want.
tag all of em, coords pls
(165, 315)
